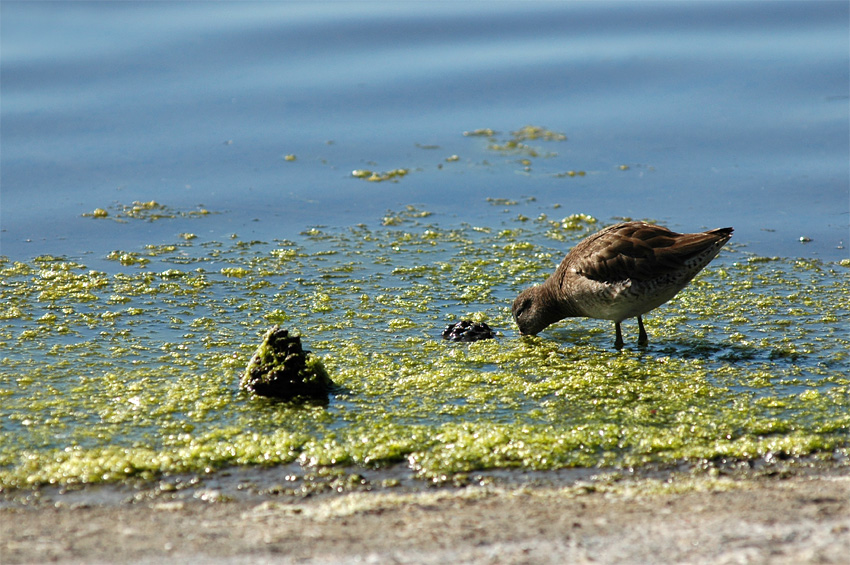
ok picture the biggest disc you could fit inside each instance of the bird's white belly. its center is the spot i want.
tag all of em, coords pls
(623, 300)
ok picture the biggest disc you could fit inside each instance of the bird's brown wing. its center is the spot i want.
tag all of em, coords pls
(639, 251)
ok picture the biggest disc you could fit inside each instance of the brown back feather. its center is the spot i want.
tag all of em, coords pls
(638, 251)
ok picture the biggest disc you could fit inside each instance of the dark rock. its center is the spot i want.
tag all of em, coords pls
(467, 330)
(282, 369)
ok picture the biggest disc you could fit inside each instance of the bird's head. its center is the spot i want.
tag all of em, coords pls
(533, 310)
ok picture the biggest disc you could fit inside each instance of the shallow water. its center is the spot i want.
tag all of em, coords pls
(113, 375)
(236, 129)
(726, 114)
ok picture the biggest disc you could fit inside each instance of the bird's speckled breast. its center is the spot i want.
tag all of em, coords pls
(625, 299)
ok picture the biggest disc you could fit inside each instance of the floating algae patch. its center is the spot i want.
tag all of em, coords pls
(135, 371)
(375, 176)
(148, 211)
(516, 143)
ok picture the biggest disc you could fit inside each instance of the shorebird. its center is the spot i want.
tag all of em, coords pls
(620, 272)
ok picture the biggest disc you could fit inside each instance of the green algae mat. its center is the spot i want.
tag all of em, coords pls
(135, 371)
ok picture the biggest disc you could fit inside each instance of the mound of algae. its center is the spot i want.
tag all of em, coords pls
(281, 369)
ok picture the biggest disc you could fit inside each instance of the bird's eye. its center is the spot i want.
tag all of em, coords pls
(522, 309)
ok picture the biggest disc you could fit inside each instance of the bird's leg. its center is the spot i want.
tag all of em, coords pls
(642, 339)
(618, 343)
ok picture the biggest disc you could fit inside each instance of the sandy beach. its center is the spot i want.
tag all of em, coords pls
(797, 516)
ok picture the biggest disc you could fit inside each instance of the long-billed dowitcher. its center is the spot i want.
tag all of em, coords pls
(622, 271)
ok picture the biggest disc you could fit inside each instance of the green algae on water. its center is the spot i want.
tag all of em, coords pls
(135, 371)
(374, 176)
(149, 211)
(516, 143)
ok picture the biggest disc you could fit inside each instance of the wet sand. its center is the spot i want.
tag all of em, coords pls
(796, 516)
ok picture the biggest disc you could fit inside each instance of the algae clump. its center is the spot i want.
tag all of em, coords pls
(281, 369)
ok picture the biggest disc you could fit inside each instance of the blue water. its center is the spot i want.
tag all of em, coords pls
(725, 114)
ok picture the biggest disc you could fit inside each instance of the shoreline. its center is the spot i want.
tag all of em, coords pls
(783, 512)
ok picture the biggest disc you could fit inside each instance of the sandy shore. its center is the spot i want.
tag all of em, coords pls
(797, 517)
